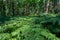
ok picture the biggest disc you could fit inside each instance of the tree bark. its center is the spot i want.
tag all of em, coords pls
(47, 6)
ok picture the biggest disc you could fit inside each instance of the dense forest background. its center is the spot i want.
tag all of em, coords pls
(28, 7)
(29, 19)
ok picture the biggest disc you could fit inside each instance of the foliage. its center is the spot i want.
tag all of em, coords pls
(30, 28)
(29, 20)
(20, 7)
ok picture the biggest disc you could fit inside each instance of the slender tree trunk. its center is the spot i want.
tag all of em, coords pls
(47, 6)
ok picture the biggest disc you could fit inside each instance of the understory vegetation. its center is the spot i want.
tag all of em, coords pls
(43, 27)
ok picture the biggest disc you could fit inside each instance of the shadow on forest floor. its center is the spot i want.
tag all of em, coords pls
(3, 19)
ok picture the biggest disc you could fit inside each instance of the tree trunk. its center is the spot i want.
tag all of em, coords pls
(47, 6)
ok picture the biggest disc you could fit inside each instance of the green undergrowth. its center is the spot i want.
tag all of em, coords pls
(30, 28)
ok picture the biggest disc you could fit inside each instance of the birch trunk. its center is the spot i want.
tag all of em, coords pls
(47, 7)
